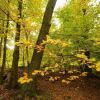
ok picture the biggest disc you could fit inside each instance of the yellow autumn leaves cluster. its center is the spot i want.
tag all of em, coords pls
(52, 79)
(55, 42)
(65, 81)
(40, 72)
(72, 78)
(24, 43)
(24, 79)
(82, 56)
(91, 61)
(97, 66)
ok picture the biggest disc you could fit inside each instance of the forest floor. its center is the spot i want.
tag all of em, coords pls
(82, 88)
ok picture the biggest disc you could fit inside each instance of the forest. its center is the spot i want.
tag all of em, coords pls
(49, 49)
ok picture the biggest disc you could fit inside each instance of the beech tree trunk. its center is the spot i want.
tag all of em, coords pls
(44, 31)
(14, 72)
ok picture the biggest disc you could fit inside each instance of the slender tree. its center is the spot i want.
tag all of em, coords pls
(27, 50)
(4, 49)
(1, 39)
(14, 73)
(44, 31)
(0, 46)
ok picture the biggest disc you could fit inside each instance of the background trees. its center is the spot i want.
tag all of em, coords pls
(25, 38)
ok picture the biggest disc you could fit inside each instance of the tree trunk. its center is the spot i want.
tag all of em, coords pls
(1, 41)
(87, 52)
(4, 50)
(87, 69)
(27, 54)
(14, 73)
(23, 58)
(44, 31)
(0, 48)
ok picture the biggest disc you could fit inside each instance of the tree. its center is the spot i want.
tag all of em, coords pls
(14, 72)
(1, 38)
(44, 31)
(78, 20)
(4, 49)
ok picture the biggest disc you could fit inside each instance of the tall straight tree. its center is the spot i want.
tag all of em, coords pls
(0, 47)
(27, 50)
(1, 39)
(44, 31)
(4, 49)
(14, 73)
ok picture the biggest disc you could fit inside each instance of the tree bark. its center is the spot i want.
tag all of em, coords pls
(14, 73)
(0, 47)
(23, 58)
(44, 31)
(27, 51)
